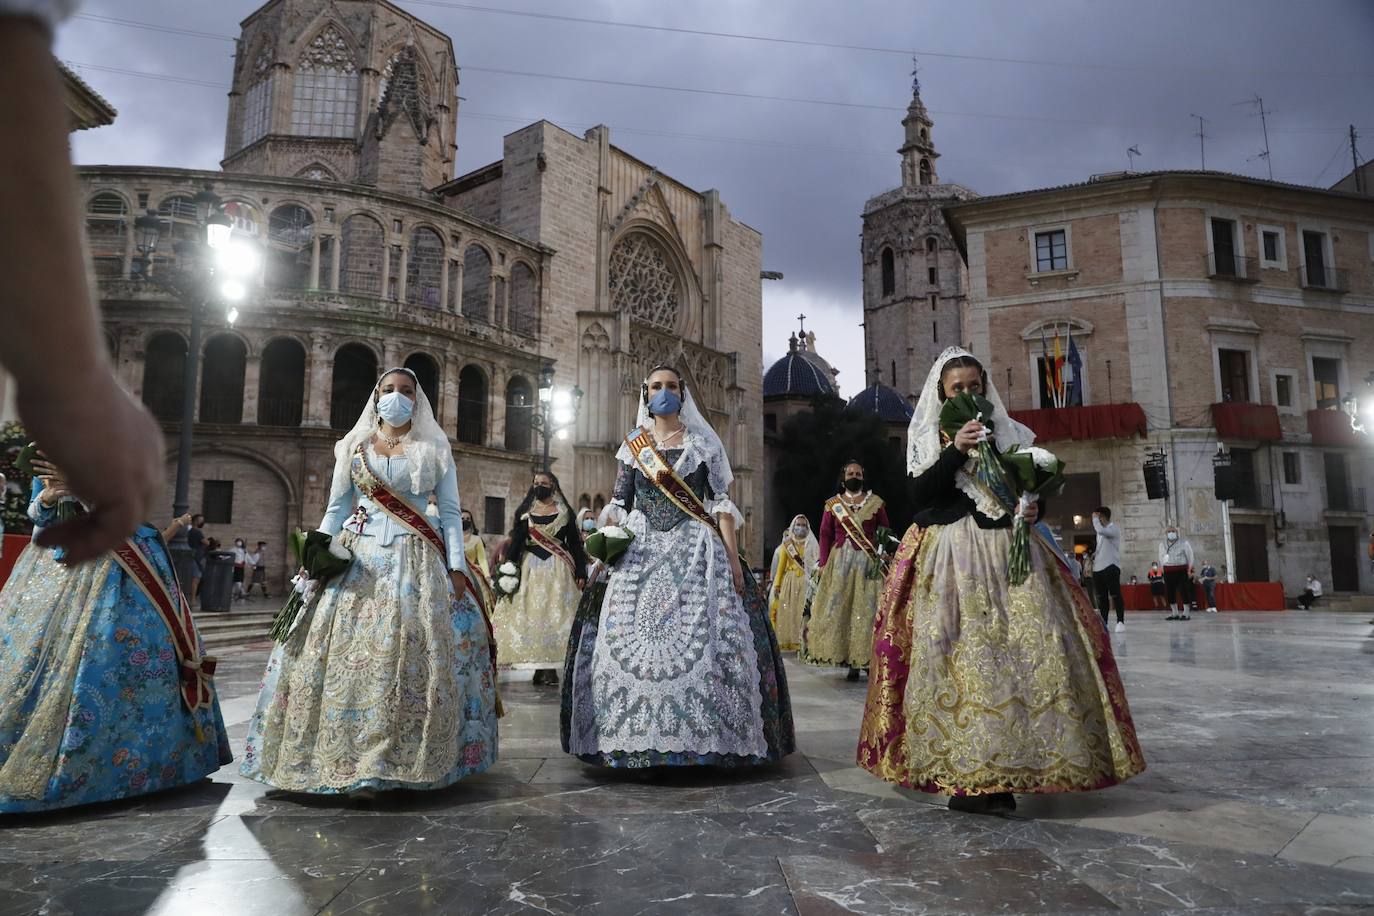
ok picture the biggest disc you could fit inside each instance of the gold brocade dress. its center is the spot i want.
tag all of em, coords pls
(476, 553)
(840, 629)
(978, 686)
(532, 626)
(787, 595)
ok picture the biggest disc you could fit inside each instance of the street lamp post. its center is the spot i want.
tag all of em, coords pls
(558, 409)
(212, 256)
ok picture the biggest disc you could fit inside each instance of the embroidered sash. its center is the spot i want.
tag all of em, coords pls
(661, 474)
(375, 489)
(193, 669)
(554, 547)
(852, 527)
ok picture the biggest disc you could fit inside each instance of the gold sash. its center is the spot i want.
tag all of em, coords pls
(852, 527)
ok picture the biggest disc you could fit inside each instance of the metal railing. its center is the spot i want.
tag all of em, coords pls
(279, 412)
(1223, 266)
(1331, 279)
(1345, 498)
(220, 409)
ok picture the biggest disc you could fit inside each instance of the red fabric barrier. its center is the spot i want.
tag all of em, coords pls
(1236, 420)
(13, 544)
(1332, 427)
(1231, 596)
(1099, 421)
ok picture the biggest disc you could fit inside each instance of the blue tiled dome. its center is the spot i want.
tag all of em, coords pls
(883, 401)
(801, 373)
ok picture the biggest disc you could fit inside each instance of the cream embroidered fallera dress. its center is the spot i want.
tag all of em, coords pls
(388, 683)
(532, 625)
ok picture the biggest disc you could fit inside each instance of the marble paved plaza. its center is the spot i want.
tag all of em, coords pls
(1259, 799)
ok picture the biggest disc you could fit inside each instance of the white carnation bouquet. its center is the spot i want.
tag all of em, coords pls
(507, 579)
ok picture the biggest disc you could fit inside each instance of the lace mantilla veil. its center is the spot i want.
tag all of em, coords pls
(923, 433)
(427, 446)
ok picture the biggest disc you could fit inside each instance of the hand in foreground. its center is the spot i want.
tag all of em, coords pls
(460, 584)
(111, 454)
(1031, 513)
(968, 437)
(737, 575)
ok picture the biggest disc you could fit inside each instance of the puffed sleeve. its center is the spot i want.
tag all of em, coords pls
(827, 535)
(342, 499)
(451, 517)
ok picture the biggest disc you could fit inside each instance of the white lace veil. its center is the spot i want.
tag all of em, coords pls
(700, 436)
(427, 446)
(923, 433)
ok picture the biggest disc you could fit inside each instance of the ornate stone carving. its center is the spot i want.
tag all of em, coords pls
(328, 51)
(643, 281)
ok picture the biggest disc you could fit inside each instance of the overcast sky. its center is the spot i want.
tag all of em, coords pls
(1076, 84)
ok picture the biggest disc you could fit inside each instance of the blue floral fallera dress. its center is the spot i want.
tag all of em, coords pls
(90, 701)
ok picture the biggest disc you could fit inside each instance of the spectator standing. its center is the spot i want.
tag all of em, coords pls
(1176, 556)
(1156, 579)
(240, 557)
(1309, 597)
(257, 560)
(1107, 567)
(1209, 586)
(195, 539)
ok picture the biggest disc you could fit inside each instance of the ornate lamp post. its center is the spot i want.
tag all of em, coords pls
(558, 409)
(209, 268)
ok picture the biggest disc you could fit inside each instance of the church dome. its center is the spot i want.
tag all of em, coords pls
(879, 399)
(801, 373)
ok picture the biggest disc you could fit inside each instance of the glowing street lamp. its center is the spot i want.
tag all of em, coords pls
(558, 409)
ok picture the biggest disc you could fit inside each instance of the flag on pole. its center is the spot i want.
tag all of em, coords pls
(1075, 398)
(1058, 374)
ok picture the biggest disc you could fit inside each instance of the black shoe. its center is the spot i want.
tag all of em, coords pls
(853, 675)
(969, 804)
(538, 678)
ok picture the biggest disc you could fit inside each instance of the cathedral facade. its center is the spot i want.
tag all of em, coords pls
(567, 253)
(914, 278)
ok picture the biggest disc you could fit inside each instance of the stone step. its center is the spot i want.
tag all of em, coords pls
(1363, 604)
(223, 631)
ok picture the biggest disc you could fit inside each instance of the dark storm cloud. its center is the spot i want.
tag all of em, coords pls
(1119, 75)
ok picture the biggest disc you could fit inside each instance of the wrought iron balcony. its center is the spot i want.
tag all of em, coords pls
(1223, 266)
(1329, 279)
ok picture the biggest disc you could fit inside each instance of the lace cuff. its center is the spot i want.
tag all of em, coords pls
(724, 506)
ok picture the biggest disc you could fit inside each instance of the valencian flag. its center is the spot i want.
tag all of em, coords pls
(1075, 392)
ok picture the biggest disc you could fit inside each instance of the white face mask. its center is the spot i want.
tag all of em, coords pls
(799, 531)
(395, 408)
(1171, 536)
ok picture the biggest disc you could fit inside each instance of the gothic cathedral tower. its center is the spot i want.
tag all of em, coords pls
(915, 281)
(354, 91)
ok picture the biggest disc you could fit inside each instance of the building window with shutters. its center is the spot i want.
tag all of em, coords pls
(1051, 250)
(495, 520)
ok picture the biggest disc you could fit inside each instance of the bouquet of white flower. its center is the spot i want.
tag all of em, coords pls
(507, 579)
(608, 544)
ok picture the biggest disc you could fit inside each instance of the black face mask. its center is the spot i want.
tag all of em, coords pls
(543, 492)
(854, 484)
(467, 525)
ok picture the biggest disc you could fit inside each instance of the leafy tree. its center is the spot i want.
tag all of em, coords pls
(14, 501)
(814, 446)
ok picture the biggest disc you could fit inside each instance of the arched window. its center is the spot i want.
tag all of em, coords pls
(472, 406)
(362, 245)
(255, 118)
(477, 284)
(931, 244)
(519, 409)
(584, 501)
(316, 172)
(107, 230)
(598, 504)
(889, 272)
(290, 232)
(644, 283)
(355, 375)
(164, 375)
(425, 269)
(524, 301)
(243, 218)
(324, 99)
(281, 386)
(180, 223)
(427, 372)
(925, 171)
(221, 380)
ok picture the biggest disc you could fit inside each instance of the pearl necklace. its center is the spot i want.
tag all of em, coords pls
(391, 441)
(663, 443)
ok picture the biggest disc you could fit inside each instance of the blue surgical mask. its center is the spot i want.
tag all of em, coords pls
(589, 524)
(395, 408)
(1171, 536)
(665, 402)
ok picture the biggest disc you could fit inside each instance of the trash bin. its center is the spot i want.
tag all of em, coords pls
(216, 586)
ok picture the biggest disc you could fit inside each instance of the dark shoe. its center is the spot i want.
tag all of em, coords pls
(969, 804)
(1001, 803)
(853, 675)
(539, 678)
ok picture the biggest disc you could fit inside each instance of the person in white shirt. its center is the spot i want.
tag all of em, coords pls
(1176, 557)
(1107, 567)
(240, 557)
(1309, 597)
(257, 562)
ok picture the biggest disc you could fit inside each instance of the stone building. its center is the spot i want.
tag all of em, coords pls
(914, 278)
(1208, 309)
(339, 163)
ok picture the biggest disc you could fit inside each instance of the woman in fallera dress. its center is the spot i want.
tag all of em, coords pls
(475, 552)
(532, 625)
(680, 666)
(839, 631)
(389, 682)
(794, 563)
(105, 692)
(981, 688)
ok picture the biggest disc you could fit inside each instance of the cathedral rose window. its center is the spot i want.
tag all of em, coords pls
(643, 281)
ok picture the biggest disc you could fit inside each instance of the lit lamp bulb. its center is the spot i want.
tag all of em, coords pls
(562, 416)
(562, 397)
(238, 259)
(562, 435)
(233, 290)
(233, 315)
